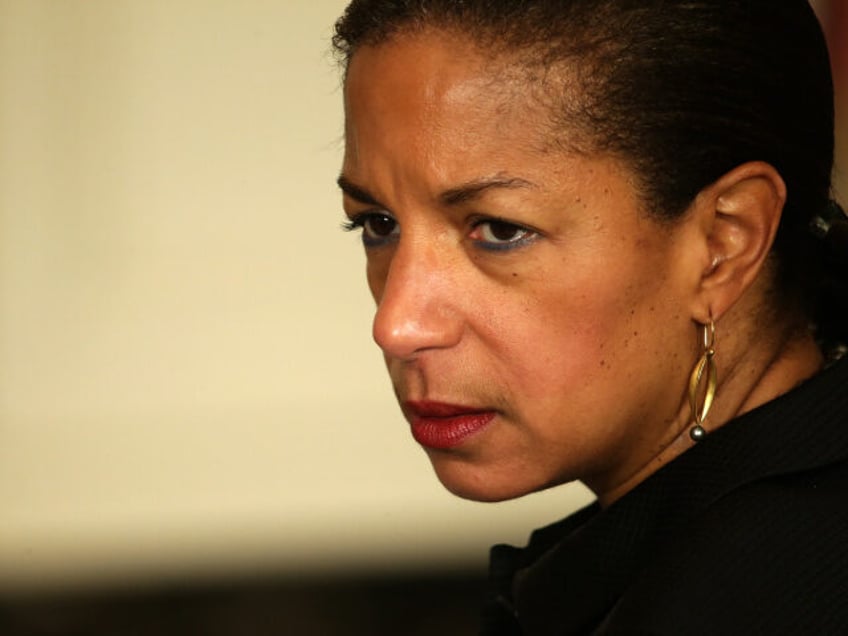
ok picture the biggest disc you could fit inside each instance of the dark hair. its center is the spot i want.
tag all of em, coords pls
(682, 90)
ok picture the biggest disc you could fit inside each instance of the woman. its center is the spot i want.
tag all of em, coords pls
(597, 233)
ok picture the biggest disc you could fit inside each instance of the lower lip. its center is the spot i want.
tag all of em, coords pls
(442, 433)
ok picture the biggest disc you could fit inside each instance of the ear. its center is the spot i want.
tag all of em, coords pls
(738, 216)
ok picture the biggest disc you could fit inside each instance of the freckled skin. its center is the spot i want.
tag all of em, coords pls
(579, 339)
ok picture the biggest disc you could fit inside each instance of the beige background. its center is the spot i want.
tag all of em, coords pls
(187, 382)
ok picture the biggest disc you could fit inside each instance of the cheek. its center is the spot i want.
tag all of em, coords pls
(565, 347)
(581, 333)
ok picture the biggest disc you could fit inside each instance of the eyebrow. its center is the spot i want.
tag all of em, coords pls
(475, 189)
(451, 197)
(356, 192)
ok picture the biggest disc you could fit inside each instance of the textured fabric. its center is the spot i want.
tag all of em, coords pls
(746, 533)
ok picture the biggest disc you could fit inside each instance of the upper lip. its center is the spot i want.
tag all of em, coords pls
(426, 408)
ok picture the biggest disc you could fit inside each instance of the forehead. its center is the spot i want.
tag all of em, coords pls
(433, 88)
(429, 112)
(430, 61)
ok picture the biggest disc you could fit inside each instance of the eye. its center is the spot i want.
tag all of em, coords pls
(495, 234)
(377, 228)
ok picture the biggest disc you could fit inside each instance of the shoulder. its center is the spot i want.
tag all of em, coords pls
(770, 557)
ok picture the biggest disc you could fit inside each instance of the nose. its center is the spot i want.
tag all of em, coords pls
(417, 307)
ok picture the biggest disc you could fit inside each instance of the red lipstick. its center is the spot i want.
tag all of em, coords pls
(442, 426)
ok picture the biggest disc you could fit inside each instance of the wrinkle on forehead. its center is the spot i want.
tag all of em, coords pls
(506, 83)
(449, 79)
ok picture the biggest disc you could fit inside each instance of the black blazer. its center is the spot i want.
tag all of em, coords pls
(746, 533)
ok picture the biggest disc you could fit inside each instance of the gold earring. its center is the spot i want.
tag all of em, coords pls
(704, 369)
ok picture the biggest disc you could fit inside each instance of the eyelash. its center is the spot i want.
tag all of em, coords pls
(360, 222)
(528, 235)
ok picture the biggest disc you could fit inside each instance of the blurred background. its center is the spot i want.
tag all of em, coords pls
(196, 434)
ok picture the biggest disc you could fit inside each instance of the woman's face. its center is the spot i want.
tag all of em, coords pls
(532, 319)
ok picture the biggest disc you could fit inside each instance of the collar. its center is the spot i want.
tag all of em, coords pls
(572, 572)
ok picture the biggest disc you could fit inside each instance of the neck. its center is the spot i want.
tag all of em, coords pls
(761, 370)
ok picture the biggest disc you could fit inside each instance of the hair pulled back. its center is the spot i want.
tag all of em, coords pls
(681, 90)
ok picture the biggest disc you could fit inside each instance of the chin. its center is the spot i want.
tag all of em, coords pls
(483, 483)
